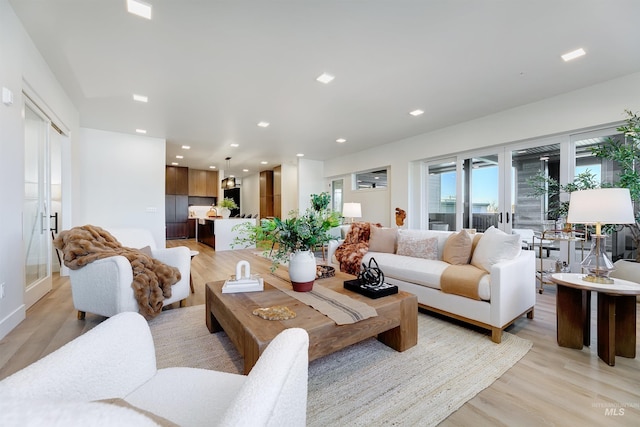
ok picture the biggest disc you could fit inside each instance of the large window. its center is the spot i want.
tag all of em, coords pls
(371, 179)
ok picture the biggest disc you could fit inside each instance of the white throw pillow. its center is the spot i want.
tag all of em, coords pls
(495, 246)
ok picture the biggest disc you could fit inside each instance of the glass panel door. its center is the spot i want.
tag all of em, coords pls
(483, 198)
(35, 232)
(441, 194)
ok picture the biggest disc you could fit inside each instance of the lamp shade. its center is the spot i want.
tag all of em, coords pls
(602, 205)
(352, 210)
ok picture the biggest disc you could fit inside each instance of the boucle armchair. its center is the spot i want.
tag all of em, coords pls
(104, 286)
(116, 359)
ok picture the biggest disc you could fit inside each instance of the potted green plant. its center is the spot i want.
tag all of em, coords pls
(226, 205)
(292, 241)
(626, 153)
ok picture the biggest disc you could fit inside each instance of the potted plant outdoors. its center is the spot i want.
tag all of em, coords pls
(226, 205)
(626, 153)
(292, 241)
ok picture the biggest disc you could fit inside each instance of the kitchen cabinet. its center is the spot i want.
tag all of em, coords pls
(203, 183)
(266, 194)
(176, 211)
(177, 180)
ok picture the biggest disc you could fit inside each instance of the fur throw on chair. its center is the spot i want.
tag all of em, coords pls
(356, 244)
(152, 279)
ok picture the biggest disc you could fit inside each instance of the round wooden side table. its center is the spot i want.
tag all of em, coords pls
(616, 316)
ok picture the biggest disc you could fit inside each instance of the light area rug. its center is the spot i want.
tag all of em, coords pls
(368, 383)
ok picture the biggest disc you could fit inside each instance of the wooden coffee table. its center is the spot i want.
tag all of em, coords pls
(396, 324)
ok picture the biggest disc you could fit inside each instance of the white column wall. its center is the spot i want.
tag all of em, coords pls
(121, 182)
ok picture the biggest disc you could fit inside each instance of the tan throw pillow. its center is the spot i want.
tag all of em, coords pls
(147, 251)
(383, 240)
(417, 247)
(457, 248)
(495, 246)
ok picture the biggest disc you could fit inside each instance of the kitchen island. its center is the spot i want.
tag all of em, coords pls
(219, 233)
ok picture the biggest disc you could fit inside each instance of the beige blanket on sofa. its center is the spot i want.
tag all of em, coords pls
(462, 280)
(152, 279)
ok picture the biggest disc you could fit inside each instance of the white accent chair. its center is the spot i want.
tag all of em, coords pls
(117, 359)
(104, 286)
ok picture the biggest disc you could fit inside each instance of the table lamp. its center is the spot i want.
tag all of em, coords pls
(600, 206)
(352, 210)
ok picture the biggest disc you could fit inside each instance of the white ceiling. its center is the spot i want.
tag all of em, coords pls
(213, 69)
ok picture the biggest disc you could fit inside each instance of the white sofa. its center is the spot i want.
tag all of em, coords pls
(117, 359)
(508, 292)
(104, 286)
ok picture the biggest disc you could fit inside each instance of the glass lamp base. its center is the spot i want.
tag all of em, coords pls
(603, 280)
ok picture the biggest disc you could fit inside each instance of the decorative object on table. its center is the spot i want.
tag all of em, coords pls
(401, 215)
(324, 271)
(292, 241)
(243, 281)
(213, 212)
(370, 282)
(277, 312)
(352, 210)
(600, 206)
(225, 206)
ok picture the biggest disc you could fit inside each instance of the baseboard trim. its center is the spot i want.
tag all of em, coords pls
(8, 323)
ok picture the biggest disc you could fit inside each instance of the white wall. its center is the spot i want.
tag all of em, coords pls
(310, 181)
(250, 194)
(22, 68)
(121, 180)
(289, 184)
(601, 104)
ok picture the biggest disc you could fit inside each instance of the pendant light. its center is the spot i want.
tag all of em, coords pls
(229, 182)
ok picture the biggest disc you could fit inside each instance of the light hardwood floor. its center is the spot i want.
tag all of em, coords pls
(549, 386)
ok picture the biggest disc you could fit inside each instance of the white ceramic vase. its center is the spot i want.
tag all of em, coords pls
(302, 270)
(225, 212)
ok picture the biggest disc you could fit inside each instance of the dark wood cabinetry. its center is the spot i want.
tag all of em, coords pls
(266, 194)
(203, 183)
(177, 180)
(176, 204)
(277, 191)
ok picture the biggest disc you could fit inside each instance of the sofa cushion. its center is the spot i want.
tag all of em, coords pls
(421, 271)
(383, 240)
(495, 246)
(457, 249)
(418, 247)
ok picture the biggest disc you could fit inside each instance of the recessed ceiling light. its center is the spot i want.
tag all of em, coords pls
(263, 124)
(141, 130)
(174, 163)
(179, 157)
(186, 147)
(573, 55)
(416, 113)
(263, 162)
(341, 140)
(300, 155)
(139, 8)
(234, 145)
(212, 167)
(140, 98)
(325, 78)
(245, 170)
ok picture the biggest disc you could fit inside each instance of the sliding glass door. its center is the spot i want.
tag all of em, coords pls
(35, 221)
